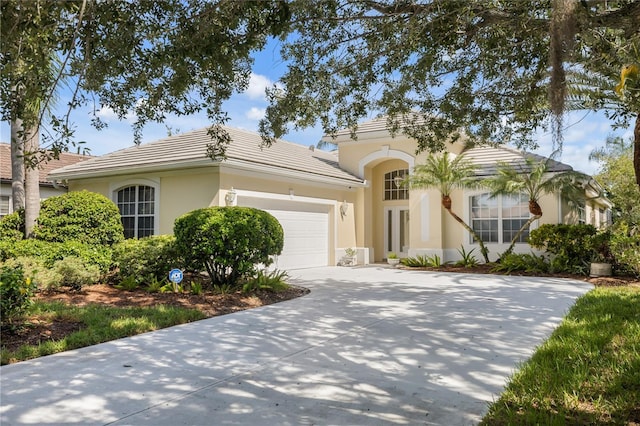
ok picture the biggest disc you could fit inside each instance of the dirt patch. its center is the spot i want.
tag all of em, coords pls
(37, 329)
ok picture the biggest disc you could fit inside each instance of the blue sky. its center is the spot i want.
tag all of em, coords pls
(584, 131)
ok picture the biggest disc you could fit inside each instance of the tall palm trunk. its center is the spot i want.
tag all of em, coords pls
(17, 164)
(446, 203)
(31, 180)
(636, 149)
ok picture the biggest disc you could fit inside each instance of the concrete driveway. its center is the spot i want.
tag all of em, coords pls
(367, 346)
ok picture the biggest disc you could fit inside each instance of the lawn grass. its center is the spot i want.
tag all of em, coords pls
(587, 372)
(99, 324)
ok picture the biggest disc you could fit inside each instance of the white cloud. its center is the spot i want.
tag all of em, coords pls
(255, 113)
(257, 85)
(106, 113)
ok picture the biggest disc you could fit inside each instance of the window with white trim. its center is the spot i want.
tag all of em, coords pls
(137, 210)
(582, 214)
(393, 188)
(498, 219)
(5, 205)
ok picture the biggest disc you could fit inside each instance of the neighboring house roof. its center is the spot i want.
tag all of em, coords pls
(487, 159)
(189, 150)
(65, 159)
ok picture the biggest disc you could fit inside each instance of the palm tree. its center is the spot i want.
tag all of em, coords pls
(446, 174)
(535, 178)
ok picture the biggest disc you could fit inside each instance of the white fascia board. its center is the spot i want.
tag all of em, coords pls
(130, 169)
(258, 170)
(284, 197)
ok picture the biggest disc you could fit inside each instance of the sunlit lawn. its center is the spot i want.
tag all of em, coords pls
(587, 372)
(99, 324)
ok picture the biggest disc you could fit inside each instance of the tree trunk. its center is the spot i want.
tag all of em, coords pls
(483, 249)
(31, 181)
(636, 150)
(17, 165)
(520, 231)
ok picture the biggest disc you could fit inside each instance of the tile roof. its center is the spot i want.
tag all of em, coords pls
(189, 150)
(65, 159)
(488, 157)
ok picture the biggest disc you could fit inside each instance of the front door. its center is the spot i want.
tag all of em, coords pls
(396, 235)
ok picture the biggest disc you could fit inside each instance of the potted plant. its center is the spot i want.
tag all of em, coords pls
(351, 256)
(392, 259)
(601, 258)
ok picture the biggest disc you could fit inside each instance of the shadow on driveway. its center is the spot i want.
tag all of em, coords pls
(367, 346)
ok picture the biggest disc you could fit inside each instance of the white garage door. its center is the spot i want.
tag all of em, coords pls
(306, 231)
(306, 239)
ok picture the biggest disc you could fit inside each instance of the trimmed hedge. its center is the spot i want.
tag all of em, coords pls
(228, 242)
(51, 252)
(12, 226)
(147, 257)
(82, 216)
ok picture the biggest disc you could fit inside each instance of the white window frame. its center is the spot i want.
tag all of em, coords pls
(401, 192)
(9, 206)
(469, 240)
(153, 183)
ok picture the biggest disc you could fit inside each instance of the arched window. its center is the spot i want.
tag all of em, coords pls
(393, 189)
(137, 210)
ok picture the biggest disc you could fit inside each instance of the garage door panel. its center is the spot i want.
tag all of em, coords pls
(306, 231)
(305, 239)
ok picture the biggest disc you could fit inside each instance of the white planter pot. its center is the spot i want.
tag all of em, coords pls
(600, 269)
(393, 262)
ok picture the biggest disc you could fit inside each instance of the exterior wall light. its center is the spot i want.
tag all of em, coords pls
(344, 207)
(231, 198)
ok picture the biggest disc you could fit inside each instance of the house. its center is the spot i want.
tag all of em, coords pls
(326, 202)
(48, 188)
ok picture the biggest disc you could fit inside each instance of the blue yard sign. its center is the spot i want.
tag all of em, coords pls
(175, 276)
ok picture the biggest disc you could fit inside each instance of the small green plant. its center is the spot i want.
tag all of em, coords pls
(128, 283)
(171, 288)
(16, 291)
(196, 288)
(154, 284)
(223, 289)
(468, 259)
(392, 255)
(350, 252)
(270, 281)
(423, 261)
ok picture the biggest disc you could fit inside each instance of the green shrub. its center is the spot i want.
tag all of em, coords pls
(625, 248)
(50, 252)
(43, 278)
(12, 226)
(228, 242)
(528, 262)
(82, 216)
(75, 273)
(573, 246)
(147, 257)
(15, 292)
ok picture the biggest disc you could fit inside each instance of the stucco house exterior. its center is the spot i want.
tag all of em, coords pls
(48, 188)
(326, 201)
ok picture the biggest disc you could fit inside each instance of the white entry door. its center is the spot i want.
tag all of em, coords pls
(396, 231)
